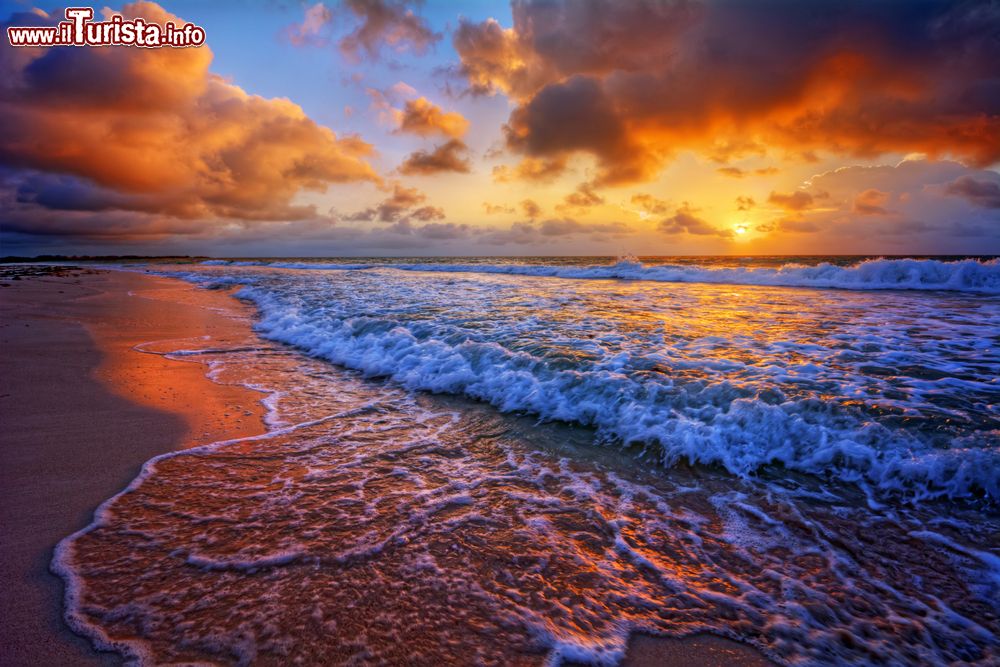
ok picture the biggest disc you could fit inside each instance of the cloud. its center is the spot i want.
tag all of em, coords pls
(531, 208)
(530, 169)
(547, 231)
(448, 230)
(736, 172)
(424, 118)
(494, 209)
(567, 226)
(650, 205)
(745, 203)
(403, 202)
(365, 215)
(425, 213)
(871, 202)
(384, 23)
(445, 157)
(632, 83)
(984, 193)
(799, 200)
(684, 221)
(584, 197)
(797, 226)
(519, 233)
(576, 116)
(152, 132)
(310, 31)
(434, 230)
(934, 206)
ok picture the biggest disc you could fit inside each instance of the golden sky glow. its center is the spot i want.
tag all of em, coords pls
(651, 128)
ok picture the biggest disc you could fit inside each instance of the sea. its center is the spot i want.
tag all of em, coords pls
(496, 461)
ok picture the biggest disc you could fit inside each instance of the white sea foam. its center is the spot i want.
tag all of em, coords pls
(917, 375)
(968, 275)
(382, 526)
(718, 423)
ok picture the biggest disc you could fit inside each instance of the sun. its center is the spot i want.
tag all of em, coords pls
(741, 230)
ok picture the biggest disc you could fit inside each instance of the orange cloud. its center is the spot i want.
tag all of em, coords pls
(795, 201)
(531, 208)
(424, 118)
(446, 157)
(685, 221)
(584, 197)
(871, 202)
(530, 169)
(152, 131)
(493, 209)
(736, 172)
(650, 205)
(795, 226)
(632, 83)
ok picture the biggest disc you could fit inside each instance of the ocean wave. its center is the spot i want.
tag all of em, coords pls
(714, 423)
(465, 517)
(969, 275)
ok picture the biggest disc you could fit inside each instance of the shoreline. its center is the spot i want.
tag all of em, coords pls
(137, 406)
(82, 412)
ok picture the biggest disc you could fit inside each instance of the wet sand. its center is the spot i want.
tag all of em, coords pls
(82, 409)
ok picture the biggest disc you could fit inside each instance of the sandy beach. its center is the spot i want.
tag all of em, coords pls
(82, 410)
(510, 333)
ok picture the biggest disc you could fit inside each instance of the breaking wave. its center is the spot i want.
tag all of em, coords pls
(716, 423)
(969, 275)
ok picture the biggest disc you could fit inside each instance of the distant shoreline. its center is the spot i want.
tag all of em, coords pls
(39, 259)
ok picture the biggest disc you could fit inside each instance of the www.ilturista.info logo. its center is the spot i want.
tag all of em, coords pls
(79, 30)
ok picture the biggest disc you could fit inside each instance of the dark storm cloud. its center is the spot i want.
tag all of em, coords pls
(632, 82)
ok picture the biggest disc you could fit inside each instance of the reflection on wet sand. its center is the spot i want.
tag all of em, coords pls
(377, 525)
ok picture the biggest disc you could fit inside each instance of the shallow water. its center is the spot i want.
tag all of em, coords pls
(810, 471)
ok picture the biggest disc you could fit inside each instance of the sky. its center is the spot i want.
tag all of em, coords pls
(555, 127)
